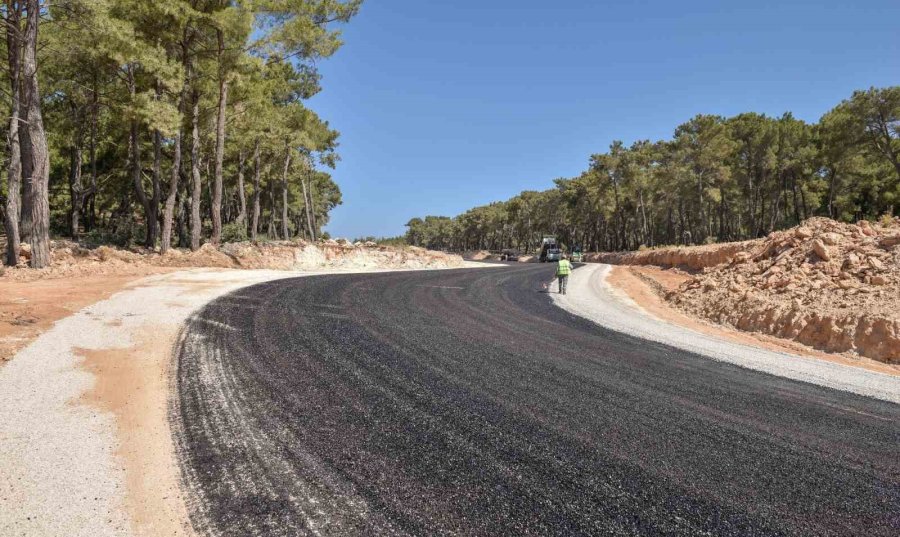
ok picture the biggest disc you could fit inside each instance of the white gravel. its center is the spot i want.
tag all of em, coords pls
(591, 297)
(59, 474)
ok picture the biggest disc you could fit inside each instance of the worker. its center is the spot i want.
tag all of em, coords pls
(563, 269)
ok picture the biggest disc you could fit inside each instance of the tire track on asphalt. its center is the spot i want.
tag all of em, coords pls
(463, 402)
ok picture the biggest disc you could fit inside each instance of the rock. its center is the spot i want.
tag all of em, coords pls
(876, 263)
(803, 233)
(820, 250)
(741, 257)
(879, 280)
(890, 241)
(831, 239)
(848, 284)
(866, 228)
(25, 250)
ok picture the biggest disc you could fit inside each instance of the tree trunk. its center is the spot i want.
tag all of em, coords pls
(220, 144)
(242, 195)
(38, 155)
(272, 231)
(175, 175)
(14, 175)
(284, 194)
(134, 150)
(153, 218)
(92, 191)
(644, 231)
(312, 206)
(181, 217)
(172, 195)
(75, 188)
(309, 224)
(306, 201)
(254, 226)
(197, 185)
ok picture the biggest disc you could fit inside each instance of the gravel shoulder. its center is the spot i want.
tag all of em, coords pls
(84, 431)
(648, 285)
(590, 296)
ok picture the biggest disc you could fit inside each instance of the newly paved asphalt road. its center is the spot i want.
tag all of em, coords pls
(462, 402)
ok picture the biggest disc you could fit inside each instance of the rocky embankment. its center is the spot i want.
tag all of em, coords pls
(690, 257)
(832, 286)
(72, 259)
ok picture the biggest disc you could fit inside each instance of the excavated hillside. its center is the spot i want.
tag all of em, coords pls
(832, 286)
(71, 259)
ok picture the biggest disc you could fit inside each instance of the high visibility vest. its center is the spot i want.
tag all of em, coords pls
(564, 268)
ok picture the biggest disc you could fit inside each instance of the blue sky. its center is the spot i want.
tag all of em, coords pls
(443, 106)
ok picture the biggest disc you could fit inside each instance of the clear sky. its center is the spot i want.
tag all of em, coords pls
(445, 105)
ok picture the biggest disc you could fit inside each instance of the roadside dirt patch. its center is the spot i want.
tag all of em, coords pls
(647, 286)
(27, 309)
(132, 383)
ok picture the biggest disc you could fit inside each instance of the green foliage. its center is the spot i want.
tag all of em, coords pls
(117, 71)
(717, 179)
(234, 232)
(121, 234)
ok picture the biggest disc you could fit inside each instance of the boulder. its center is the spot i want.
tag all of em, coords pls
(821, 250)
(866, 228)
(803, 233)
(876, 263)
(831, 239)
(890, 241)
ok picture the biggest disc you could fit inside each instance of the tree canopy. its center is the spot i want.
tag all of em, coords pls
(171, 122)
(716, 179)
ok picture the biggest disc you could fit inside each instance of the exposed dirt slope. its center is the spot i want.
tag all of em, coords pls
(692, 257)
(832, 286)
(70, 259)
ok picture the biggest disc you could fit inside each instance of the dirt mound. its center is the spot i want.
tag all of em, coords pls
(480, 255)
(71, 259)
(691, 257)
(485, 255)
(833, 286)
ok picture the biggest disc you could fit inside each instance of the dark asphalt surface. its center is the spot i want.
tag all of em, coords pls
(462, 402)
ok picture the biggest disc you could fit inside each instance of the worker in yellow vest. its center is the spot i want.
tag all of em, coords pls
(563, 269)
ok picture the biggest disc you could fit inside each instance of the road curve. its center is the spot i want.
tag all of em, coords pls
(463, 402)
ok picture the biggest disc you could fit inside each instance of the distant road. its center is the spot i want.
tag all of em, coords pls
(464, 402)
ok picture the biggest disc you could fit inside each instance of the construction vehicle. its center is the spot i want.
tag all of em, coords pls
(577, 254)
(550, 250)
